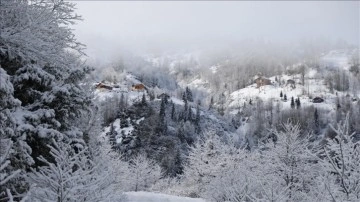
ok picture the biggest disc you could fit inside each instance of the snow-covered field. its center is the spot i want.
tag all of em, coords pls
(157, 197)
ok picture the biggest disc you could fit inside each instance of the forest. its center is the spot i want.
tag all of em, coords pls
(256, 121)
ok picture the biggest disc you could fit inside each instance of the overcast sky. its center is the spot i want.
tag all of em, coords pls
(158, 25)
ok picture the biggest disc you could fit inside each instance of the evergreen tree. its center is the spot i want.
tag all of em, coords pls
(285, 97)
(281, 94)
(250, 101)
(162, 109)
(7, 176)
(190, 115)
(39, 52)
(112, 137)
(292, 104)
(151, 95)
(298, 104)
(189, 95)
(173, 115)
(186, 108)
(184, 98)
(316, 121)
(143, 100)
(181, 133)
(211, 102)
(197, 119)
(122, 102)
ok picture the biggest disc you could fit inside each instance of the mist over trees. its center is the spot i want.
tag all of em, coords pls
(60, 142)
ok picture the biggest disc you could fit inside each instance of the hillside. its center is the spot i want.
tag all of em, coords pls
(234, 111)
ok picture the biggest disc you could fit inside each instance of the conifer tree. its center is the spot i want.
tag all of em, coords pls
(39, 52)
(162, 109)
(316, 121)
(190, 115)
(211, 102)
(292, 103)
(143, 100)
(173, 111)
(112, 137)
(189, 95)
(197, 119)
(298, 104)
(185, 112)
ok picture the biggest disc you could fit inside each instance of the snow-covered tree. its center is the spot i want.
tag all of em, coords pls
(207, 159)
(40, 71)
(341, 164)
(37, 31)
(69, 178)
(197, 119)
(173, 113)
(142, 173)
(162, 109)
(6, 174)
(288, 168)
(73, 176)
(189, 95)
(15, 152)
(38, 50)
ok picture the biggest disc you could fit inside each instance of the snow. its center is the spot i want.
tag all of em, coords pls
(123, 132)
(336, 59)
(197, 83)
(177, 101)
(133, 96)
(103, 133)
(132, 78)
(139, 120)
(314, 83)
(214, 69)
(157, 197)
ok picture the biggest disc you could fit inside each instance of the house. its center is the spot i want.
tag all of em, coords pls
(261, 81)
(291, 83)
(103, 86)
(138, 87)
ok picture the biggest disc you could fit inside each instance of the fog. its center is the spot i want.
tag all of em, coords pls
(112, 27)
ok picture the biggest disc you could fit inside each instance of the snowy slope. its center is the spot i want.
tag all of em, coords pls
(156, 197)
(124, 87)
(314, 86)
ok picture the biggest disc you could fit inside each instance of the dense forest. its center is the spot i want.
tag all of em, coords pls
(254, 122)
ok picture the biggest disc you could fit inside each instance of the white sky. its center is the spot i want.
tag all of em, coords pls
(158, 25)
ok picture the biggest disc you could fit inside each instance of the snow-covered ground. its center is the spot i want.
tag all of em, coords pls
(314, 86)
(157, 197)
